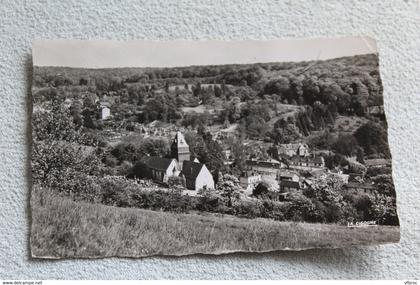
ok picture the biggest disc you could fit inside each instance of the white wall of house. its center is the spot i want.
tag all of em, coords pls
(249, 183)
(172, 170)
(293, 177)
(204, 178)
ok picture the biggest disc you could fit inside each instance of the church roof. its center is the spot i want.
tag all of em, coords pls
(191, 169)
(158, 163)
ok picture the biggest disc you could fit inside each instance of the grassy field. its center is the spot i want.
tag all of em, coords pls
(64, 228)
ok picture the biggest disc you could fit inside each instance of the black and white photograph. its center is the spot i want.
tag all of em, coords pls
(145, 148)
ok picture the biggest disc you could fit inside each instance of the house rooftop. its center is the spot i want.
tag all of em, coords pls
(191, 169)
(290, 184)
(286, 173)
(377, 162)
(248, 174)
(258, 162)
(313, 159)
(158, 163)
(292, 145)
(360, 185)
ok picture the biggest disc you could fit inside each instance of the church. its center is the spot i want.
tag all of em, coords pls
(196, 174)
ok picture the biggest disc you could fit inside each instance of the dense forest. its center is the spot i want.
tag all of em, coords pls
(323, 89)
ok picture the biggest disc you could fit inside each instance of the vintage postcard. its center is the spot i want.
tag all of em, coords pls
(144, 148)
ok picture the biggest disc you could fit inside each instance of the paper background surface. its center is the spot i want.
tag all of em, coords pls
(394, 24)
(175, 53)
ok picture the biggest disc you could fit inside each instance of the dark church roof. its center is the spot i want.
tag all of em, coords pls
(290, 184)
(264, 163)
(191, 169)
(158, 163)
(307, 159)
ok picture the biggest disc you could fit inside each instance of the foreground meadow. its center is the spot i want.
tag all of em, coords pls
(64, 228)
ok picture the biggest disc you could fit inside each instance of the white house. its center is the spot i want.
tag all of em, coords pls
(105, 112)
(197, 175)
(284, 175)
(307, 163)
(292, 149)
(248, 180)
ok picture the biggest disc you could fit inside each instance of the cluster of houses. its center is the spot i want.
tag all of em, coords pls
(296, 170)
(197, 175)
(294, 158)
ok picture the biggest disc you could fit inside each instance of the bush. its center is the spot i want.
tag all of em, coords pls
(210, 201)
(274, 210)
(301, 208)
(140, 170)
(247, 208)
(260, 190)
(110, 161)
(124, 169)
(323, 204)
(176, 181)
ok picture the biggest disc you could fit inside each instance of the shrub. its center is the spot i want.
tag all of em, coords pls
(140, 170)
(247, 208)
(274, 210)
(210, 201)
(259, 190)
(300, 208)
(124, 169)
(174, 181)
(110, 161)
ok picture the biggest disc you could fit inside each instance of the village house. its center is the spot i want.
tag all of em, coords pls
(340, 175)
(355, 187)
(228, 157)
(104, 110)
(265, 167)
(378, 162)
(294, 149)
(308, 163)
(288, 181)
(160, 169)
(287, 186)
(354, 166)
(375, 110)
(356, 177)
(248, 180)
(284, 175)
(105, 113)
(197, 176)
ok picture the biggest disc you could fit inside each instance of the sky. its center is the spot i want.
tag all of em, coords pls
(136, 53)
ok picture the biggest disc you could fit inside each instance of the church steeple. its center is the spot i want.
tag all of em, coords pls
(180, 149)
